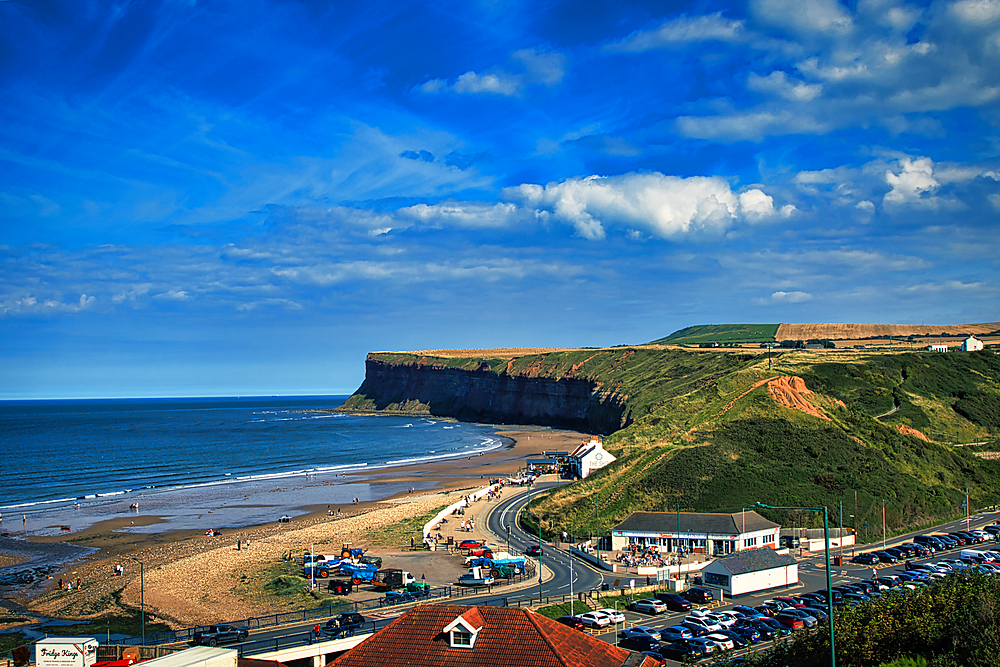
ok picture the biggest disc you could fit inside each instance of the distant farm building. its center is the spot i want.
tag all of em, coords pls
(972, 344)
(937, 348)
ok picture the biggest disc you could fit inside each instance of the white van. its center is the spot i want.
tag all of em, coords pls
(979, 555)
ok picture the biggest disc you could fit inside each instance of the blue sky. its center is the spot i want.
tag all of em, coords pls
(212, 198)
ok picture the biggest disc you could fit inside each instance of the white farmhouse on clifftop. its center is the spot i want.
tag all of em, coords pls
(588, 457)
(972, 344)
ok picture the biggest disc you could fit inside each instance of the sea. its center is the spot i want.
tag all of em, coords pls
(206, 462)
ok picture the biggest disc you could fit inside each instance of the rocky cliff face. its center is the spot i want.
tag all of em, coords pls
(482, 394)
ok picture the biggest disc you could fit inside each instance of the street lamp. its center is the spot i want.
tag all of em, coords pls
(829, 579)
(142, 597)
(538, 520)
(883, 524)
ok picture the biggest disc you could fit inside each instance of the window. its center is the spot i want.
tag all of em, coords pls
(461, 637)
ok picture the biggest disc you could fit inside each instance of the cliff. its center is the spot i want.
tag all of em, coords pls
(476, 392)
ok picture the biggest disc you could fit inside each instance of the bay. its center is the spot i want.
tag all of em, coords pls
(79, 461)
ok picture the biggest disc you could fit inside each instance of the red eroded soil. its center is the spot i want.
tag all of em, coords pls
(906, 430)
(790, 391)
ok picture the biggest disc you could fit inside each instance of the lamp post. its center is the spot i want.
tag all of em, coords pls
(829, 579)
(597, 513)
(142, 597)
(883, 524)
(539, 521)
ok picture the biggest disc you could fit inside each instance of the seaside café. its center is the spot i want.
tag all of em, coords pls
(695, 532)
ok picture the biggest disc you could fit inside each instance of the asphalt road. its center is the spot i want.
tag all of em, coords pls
(581, 576)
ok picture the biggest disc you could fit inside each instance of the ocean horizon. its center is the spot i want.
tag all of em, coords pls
(196, 462)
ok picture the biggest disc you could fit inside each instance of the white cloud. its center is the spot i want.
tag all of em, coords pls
(174, 295)
(913, 183)
(666, 206)
(977, 12)
(803, 16)
(750, 126)
(545, 69)
(464, 214)
(682, 30)
(498, 83)
(790, 297)
(778, 83)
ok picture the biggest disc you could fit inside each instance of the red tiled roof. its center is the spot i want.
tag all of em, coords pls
(511, 637)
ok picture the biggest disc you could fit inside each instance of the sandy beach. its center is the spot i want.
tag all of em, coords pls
(190, 578)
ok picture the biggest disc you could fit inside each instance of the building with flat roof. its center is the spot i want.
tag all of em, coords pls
(695, 532)
(751, 570)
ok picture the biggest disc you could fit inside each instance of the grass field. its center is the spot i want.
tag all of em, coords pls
(721, 333)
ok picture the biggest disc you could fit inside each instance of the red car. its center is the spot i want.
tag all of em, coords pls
(572, 621)
(469, 544)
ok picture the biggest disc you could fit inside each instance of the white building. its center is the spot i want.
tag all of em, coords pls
(972, 344)
(751, 570)
(588, 457)
(937, 348)
(695, 532)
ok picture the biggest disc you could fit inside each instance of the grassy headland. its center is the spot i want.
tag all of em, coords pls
(716, 431)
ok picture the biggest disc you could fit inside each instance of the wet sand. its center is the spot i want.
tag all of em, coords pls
(190, 578)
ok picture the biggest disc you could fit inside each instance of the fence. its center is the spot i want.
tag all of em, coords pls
(285, 618)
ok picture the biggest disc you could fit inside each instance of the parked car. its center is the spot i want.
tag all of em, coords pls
(675, 632)
(214, 635)
(699, 595)
(766, 630)
(739, 641)
(706, 645)
(749, 633)
(572, 621)
(640, 644)
(648, 606)
(657, 658)
(722, 642)
(469, 544)
(640, 631)
(344, 624)
(790, 621)
(613, 615)
(681, 651)
(709, 624)
(340, 586)
(673, 601)
(594, 619)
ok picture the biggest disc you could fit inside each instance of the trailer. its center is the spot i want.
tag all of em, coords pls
(392, 578)
(66, 652)
(359, 573)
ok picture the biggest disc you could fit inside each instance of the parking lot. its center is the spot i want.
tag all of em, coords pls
(812, 575)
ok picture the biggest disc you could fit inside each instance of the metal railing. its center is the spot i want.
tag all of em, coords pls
(287, 618)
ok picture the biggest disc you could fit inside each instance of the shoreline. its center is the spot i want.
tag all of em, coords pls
(193, 578)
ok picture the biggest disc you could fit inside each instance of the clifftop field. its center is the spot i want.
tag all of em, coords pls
(717, 430)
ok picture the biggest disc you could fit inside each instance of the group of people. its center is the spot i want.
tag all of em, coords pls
(641, 556)
(69, 584)
(119, 570)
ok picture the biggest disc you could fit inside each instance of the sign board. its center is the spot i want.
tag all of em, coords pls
(66, 652)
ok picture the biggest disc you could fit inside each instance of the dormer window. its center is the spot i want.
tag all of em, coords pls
(462, 631)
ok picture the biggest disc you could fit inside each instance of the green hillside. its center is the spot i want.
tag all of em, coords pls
(721, 333)
(704, 437)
